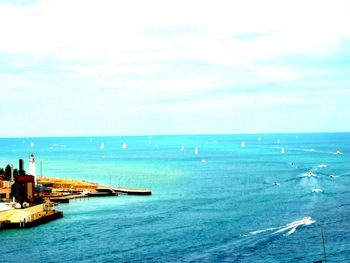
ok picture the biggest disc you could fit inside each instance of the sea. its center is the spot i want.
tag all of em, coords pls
(227, 203)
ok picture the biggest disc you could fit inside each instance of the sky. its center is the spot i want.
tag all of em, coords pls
(110, 67)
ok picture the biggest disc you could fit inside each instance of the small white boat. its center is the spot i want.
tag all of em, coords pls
(307, 220)
(278, 141)
(282, 150)
(102, 146)
(203, 161)
(338, 152)
(310, 174)
(182, 148)
(259, 139)
(124, 146)
(243, 144)
(317, 190)
(32, 144)
(85, 192)
(332, 176)
(196, 151)
(275, 184)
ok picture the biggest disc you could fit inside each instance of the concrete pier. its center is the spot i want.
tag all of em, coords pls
(132, 191)
(28, 217)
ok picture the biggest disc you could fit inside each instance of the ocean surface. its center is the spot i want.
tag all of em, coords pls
(228, 203)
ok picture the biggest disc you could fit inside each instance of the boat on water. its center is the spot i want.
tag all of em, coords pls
(196, 151)
(102, 146)
(124, 146)
(338, 152)
(317, 190)
(307, 220)
(243, 144)
(182, 148)
(310, 174)
(282, 150)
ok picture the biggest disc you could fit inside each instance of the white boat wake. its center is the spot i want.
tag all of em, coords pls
(291, 227)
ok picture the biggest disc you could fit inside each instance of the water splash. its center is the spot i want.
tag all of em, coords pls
(291, 227)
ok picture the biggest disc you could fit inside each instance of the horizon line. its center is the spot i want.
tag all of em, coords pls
(180, 134)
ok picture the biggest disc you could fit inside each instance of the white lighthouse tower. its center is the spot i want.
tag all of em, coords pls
(32, 170)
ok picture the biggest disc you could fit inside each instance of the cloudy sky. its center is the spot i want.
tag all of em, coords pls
(99, 67)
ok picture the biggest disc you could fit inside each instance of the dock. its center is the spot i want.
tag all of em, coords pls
(60, 184)
(28, 217)
(65, 198)
(129, 191)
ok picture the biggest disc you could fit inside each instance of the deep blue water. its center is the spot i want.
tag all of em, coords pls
(218, 206)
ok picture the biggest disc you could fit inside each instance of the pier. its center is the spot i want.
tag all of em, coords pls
(28, 217)
(79, 189)
(129, 191)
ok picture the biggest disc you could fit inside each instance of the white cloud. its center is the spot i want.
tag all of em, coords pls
(112, 28)
(118, 55)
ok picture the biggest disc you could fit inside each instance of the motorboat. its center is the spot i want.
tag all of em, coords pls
(310, 174)
(307, 220)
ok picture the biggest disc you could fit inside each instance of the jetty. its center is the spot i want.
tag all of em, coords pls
(28, 217)
(129, 191)
(62, 190)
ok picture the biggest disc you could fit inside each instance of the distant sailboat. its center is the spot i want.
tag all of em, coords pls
(243, 144)
(32, 144)
(102, 146)
(259, 139)
(182, 148)
(282, 151)
(196, 151)
(124, 146)
(278, 141)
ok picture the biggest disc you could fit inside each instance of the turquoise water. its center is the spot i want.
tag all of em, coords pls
(218, 206)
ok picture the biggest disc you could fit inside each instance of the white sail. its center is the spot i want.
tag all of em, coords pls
(124, 146)
(243, 144)
(282, 151)
(196, 151)
(102, 146)
(182, 148)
